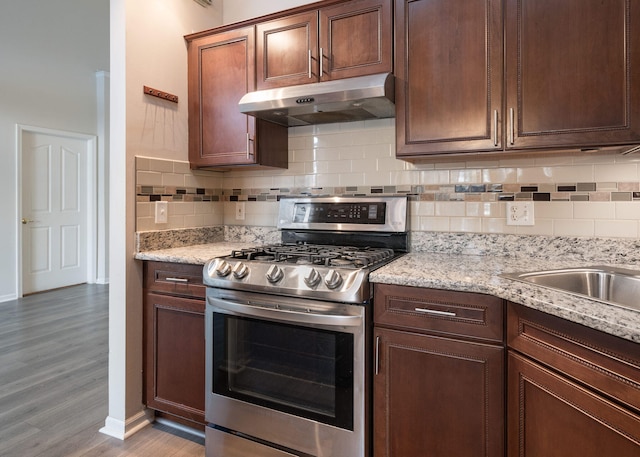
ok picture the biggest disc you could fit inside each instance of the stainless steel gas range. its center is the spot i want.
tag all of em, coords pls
(288, 331)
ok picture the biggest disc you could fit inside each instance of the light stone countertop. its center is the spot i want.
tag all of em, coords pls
(197, 254)
(480, 274)
(452, 261)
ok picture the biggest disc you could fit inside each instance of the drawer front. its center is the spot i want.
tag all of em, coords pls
(606, 363)
(174, 278)
(458, 314)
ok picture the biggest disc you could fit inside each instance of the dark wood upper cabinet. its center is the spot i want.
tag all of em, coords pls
(563, 74)
(573, 72)
(221, 70)
(348, 39)
(448, 76)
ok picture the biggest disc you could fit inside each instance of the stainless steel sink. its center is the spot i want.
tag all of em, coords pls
(616, 286)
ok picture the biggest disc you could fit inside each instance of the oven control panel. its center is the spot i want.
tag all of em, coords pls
(372, 214)
(353, 213)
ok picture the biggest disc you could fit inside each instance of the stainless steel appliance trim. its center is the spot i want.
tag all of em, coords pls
(396, 215)
(252, 309)
(340, 100)
(308, 436)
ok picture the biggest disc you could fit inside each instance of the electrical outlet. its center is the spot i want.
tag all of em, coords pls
(520, 213)
(240, 211)
(161, 212)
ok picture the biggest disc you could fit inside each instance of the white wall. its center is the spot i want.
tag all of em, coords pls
(49, 55)
(147, 48)
(239, 10)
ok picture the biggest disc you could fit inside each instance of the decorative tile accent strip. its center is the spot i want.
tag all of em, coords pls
(623, 191)
(179, 194)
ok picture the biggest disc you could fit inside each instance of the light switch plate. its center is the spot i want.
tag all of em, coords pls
(239, 211)
(161, 212)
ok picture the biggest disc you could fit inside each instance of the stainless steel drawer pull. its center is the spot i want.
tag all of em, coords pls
(176, 279)
(435, 312)
(321, 61)
(310, 65)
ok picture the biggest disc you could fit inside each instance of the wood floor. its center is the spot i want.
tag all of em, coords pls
(53, 381)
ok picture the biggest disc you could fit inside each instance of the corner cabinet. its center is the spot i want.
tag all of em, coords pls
(174, 348)
(221, 69)
(572, 391)
(438, 373)
(568, 69)
(352, 38)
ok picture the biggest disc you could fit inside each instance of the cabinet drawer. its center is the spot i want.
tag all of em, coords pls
(459, 314)
(174, 278)
(606, 363)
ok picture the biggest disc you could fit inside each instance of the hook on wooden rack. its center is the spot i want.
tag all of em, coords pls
(160, 94)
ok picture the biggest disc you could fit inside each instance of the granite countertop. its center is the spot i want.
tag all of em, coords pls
(197, 254)
(480, 274)
(453, 261)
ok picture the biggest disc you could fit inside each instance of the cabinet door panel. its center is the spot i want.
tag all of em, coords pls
(175, 356)
(572, 76)
(552, 417)
(449, 75)
(437, 397)
(356, 39)
(221, 70)
(282, 51)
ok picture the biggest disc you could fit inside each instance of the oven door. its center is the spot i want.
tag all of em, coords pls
(287, 371)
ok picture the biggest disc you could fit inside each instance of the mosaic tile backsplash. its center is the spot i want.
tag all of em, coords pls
(586, 195)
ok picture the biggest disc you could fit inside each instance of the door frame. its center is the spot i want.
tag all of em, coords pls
(90, 191)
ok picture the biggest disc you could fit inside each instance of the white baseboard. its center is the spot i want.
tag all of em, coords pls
(124, 429)
(9, 297)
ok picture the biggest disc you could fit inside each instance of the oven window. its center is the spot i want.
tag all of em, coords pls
(294, 369)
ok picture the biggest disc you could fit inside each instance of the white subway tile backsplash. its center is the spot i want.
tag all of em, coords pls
(617, 172)
(616, 229)
(573, 227)
(454, 195)
(594, 210)
(465, 224)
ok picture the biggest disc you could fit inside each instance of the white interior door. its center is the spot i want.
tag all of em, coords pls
(54, 211)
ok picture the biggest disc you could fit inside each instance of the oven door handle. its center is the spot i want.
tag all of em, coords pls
(253, 309)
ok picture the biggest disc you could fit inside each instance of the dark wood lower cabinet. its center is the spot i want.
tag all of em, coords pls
(572, 391)
(437, 394)
(437, 397)
(175, 362)
(174, 348)
(551, 416)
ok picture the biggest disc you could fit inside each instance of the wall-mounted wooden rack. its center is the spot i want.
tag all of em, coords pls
(160, 94)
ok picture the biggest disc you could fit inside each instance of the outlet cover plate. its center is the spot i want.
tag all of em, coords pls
(520, 213)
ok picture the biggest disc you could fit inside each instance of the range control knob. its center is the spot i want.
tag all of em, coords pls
(313, 278)
(240, 270)
(223, 268)
(333, 279)
(274, 274)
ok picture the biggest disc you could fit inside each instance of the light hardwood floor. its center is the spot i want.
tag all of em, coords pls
(53, 381)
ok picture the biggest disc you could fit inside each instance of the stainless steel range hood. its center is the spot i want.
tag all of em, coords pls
(342, 100)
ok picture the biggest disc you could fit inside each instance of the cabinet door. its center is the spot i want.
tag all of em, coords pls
(175, 355)
(356, 39)
(287, 51)
(573, 72)
(552, 417)
(221, 71)
(448, 76)
(437, 397)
